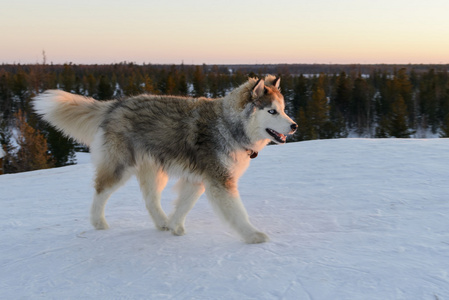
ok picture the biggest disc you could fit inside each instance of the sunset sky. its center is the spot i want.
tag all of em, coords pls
(224, 32)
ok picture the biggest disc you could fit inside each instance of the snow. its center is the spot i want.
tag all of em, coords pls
(348, 219)
(82, 158)
(2, 153)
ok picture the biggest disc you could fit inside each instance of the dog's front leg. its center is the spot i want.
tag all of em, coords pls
(189, 192)
(152, 181)
(226, 201)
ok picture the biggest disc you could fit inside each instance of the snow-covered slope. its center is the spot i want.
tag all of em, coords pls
(348, 219)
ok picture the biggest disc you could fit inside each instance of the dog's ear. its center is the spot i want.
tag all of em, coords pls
(259, 89)
(277, 82)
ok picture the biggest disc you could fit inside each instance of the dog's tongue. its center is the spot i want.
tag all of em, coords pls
(281, 136)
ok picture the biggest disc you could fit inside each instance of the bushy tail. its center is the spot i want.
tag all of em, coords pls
(76, 116)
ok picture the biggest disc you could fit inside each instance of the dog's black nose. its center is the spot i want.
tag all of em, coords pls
(294, 126)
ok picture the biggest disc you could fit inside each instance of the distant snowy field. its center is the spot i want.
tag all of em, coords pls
(348, 219)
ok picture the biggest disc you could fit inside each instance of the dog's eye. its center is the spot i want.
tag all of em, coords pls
(272, 111)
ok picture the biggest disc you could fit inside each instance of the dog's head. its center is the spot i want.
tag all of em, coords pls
(267, 105)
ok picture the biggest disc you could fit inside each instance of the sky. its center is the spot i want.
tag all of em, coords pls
(224, 32)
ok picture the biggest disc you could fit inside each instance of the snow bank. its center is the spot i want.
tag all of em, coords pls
(348, 219)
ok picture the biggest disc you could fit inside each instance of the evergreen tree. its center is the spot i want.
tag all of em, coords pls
(36, 77)
(198, 81)
(20, 89)
(90, 82)
(162, 82)
(342, 98)
(318, 111)
(428, 99)
(133, 86)
(62, 149)
(31, 152)
(7, 145)
(444, 105)
(6, 102)
(445, 128)
(382, 129)
(383, 98)
(304, 131)
(104, 89)
(300, 93)
(148, 85)
(335, 127)
(170, 85)
(403, 88)
(287, 91)
(361, 107)
(182, 85)
(78, 87)
(50, 81)
(5, 137)
(398, 126)
(68, 78)
(212, 80)
(114, 85)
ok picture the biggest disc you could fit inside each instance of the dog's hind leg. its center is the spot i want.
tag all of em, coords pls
(107, 181)
(189, 192)
(152, 181)
(225, 200)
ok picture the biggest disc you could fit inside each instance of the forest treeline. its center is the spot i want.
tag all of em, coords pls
(327, 101)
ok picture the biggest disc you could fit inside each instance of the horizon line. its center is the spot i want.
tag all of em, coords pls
(221, 64)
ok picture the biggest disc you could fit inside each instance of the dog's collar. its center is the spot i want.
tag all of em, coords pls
(252, 154)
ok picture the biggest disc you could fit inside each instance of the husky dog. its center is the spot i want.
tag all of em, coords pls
(207, 143)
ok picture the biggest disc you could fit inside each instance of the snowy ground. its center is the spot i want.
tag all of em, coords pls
(348, 219)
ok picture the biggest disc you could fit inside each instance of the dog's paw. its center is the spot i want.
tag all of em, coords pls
(162, 227)
(177, 230)
(256, 238)
(161, 224)
(100, 224)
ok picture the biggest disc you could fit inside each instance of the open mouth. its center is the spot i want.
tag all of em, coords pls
(278, 137)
